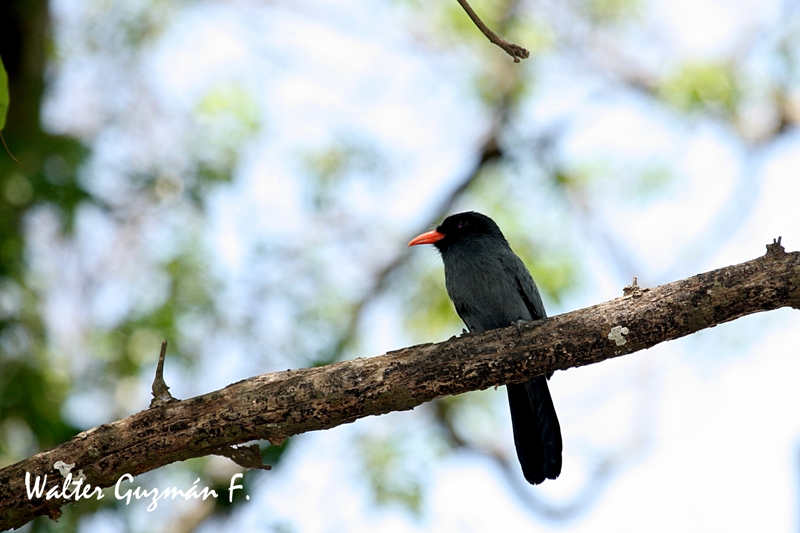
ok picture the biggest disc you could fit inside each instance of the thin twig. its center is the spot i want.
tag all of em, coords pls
(161, 395)
(7, 150)
(514, 50)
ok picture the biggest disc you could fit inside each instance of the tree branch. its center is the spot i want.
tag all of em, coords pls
(514, 50)
(278, 405)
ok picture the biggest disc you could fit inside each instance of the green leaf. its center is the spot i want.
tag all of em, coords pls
(3, 95)
(703, 85)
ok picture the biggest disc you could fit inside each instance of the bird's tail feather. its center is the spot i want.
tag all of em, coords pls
(537, 434)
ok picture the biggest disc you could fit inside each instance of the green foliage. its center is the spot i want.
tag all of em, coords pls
(703, 86)
(230, 109)
(33, 385)
(229, 116)
(330, 167)
(623, 180)
(30, 405)
(429, 310)
(554, 271)
(186, 316)
(273, 454)
(388, 473)
(470, 418)
(612, 11)
(454, 21)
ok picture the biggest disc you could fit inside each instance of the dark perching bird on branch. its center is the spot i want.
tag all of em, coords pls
(491, 288)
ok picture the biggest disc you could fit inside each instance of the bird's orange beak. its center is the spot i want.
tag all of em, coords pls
(429, 237)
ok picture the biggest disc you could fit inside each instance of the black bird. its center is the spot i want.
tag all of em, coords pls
(491, 288)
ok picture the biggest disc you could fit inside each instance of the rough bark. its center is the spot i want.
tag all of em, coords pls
(278, 405)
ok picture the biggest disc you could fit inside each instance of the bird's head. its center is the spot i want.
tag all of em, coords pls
(460, 228)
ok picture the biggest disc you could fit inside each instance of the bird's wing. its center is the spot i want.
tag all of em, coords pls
(525, 284)
(527, 288)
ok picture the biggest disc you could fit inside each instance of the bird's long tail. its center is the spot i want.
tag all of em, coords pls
(537, 435)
